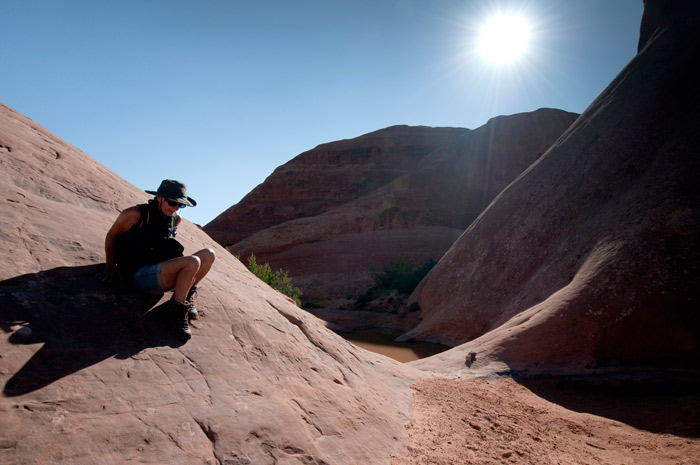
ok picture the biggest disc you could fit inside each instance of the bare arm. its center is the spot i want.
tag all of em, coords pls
(123, 223)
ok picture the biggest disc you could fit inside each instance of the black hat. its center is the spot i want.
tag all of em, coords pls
(174, 190)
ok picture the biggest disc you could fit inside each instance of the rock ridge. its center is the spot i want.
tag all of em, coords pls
(428, 185)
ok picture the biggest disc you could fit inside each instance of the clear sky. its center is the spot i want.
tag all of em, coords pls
(219, 93)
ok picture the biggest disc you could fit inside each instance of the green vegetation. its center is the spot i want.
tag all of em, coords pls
(276, 279)
(317, 298)
(401, 277)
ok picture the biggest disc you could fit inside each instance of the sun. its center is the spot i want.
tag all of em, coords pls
(504, 38)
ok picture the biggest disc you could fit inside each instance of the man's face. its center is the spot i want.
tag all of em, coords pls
(168, 207)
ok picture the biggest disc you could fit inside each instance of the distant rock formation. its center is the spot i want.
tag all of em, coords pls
(591, 258)
(328, 176)
(89, 374)
(332, 213)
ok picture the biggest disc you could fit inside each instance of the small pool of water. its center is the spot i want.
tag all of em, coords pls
(382, 342)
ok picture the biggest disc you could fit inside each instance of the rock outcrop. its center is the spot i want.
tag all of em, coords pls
(90, 374)
(331, 214)
(591, 259)
(328, 176)
(588, 262)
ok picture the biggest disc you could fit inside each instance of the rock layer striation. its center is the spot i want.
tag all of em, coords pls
(334, 212)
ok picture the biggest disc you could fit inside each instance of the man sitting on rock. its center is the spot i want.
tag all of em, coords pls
(141, 246)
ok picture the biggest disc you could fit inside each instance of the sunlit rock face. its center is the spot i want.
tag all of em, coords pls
(592, 257)
(333, 213)
(90, 373)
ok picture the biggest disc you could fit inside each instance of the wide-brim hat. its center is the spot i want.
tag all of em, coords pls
(174, 190)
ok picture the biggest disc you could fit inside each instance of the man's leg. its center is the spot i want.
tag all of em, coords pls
(180, 274)
(206, 257)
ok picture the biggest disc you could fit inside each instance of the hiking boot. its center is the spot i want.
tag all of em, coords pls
(193, 314)
(179, 320)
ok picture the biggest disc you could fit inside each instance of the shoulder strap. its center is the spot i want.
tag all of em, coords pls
(174, 221)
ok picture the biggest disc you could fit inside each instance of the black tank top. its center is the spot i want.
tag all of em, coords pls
(151, 240)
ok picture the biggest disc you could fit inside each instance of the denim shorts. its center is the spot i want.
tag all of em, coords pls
(148, 279)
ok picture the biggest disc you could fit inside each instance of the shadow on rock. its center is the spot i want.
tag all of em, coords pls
(655, 404)
(80, 320)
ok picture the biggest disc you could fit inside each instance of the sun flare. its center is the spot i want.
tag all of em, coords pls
(504, 39)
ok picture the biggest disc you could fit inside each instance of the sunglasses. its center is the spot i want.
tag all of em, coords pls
(173, 203)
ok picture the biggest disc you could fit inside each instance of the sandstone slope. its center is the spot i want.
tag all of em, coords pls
(591, 259)
(332, 213)
(90, 375)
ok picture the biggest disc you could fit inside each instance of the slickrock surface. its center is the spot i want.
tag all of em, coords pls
(592, 257)
(398, 191)
(90, 375)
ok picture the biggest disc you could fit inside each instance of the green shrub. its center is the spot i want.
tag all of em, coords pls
(317, 298)
(401, 275)
(276, 279)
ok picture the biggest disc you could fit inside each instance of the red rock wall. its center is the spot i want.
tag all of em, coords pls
(418, 197)
(592, 257)
(328, 176)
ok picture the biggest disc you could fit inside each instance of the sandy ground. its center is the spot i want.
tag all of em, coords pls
(499, 421)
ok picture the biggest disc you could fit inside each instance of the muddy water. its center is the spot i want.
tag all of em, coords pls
(382, 342)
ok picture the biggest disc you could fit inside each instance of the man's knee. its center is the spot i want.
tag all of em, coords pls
(193, 263)
(178, 267)
(207, 256)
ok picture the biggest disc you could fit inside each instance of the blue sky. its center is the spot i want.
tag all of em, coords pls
(220, 93)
